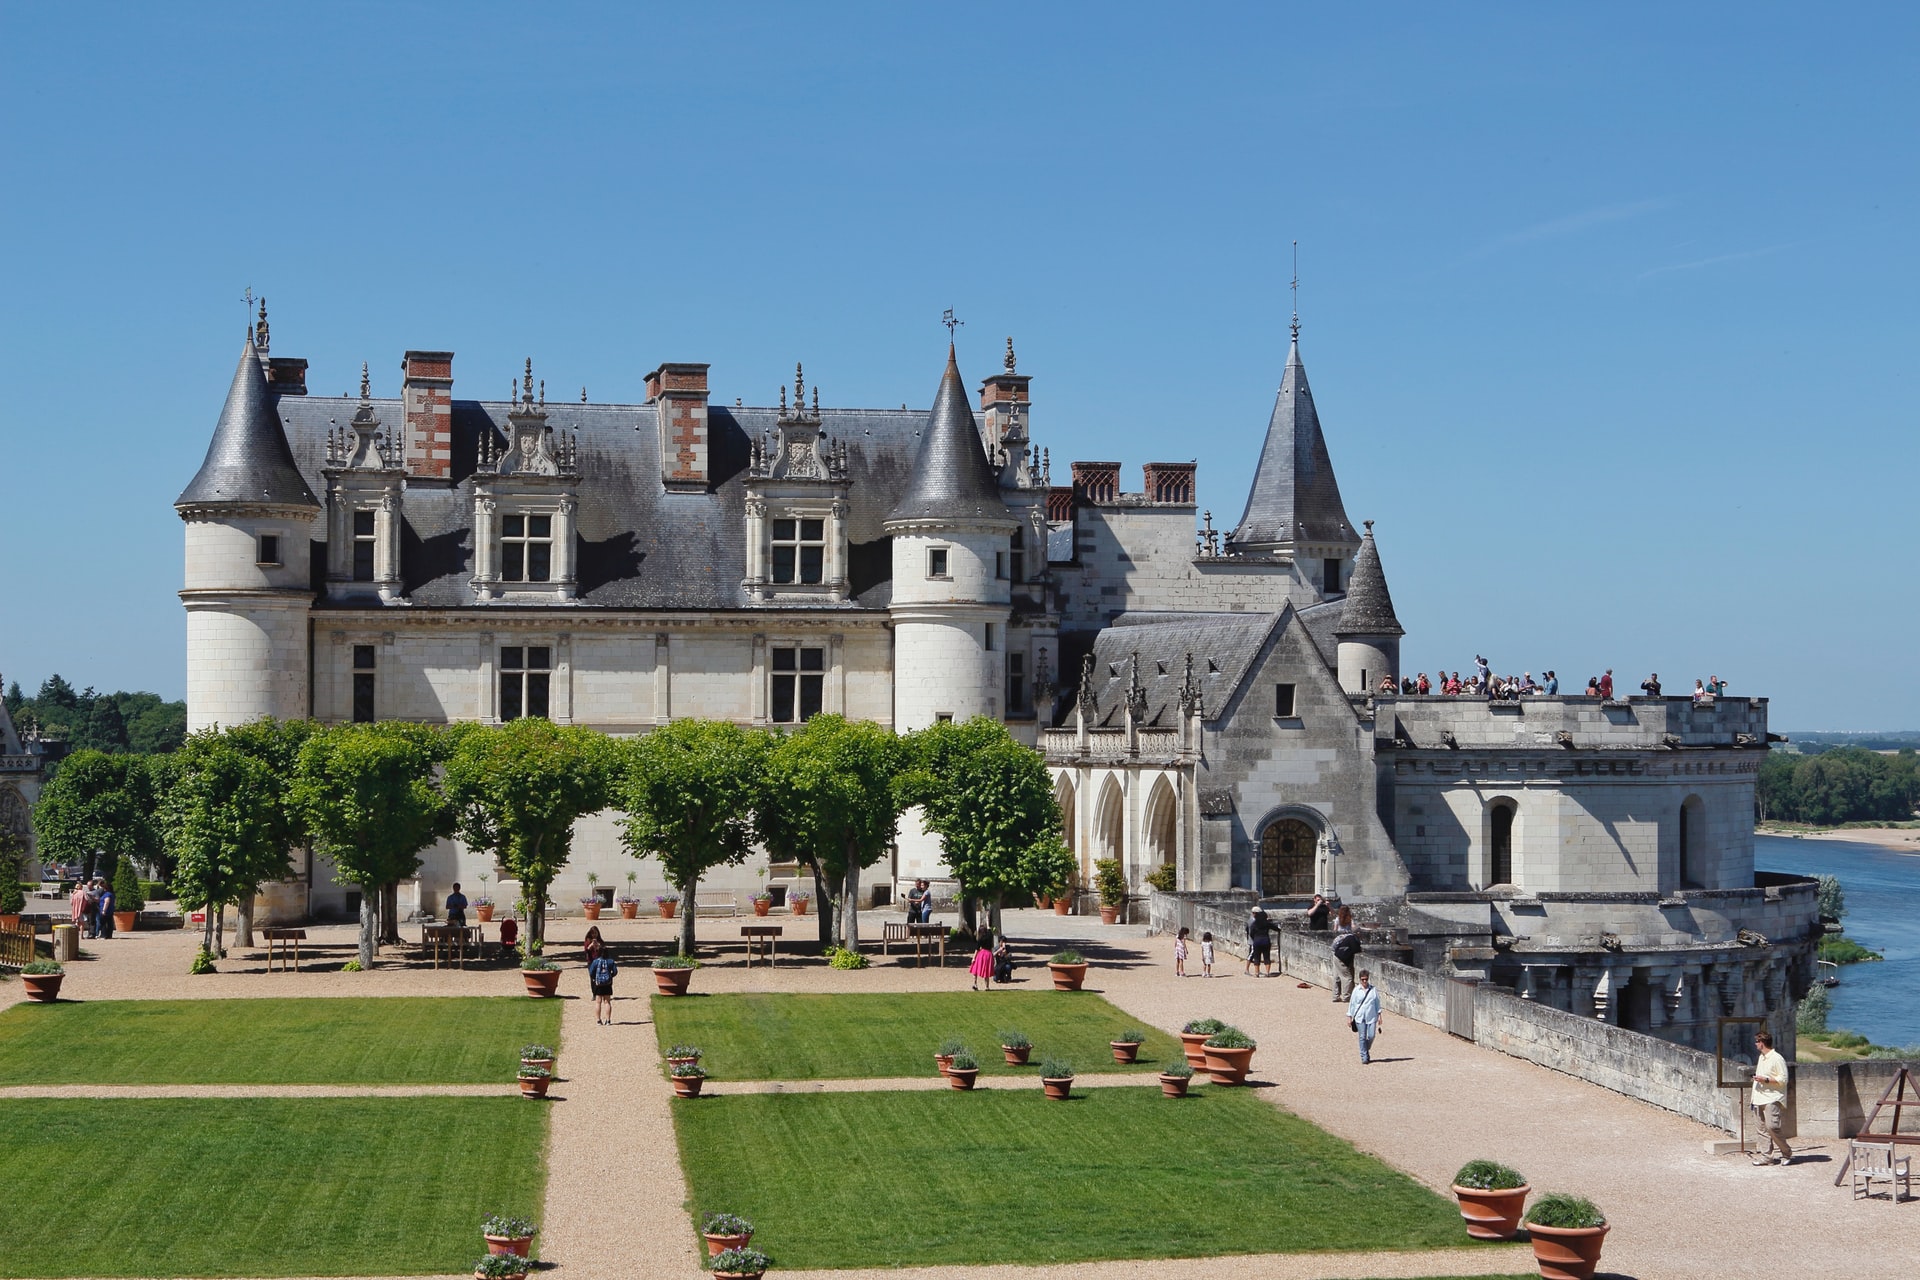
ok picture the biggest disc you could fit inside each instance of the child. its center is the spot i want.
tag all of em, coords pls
(1180, 953)
(1206, 954)
(600, 973)
(1003, 962)
(982, 966)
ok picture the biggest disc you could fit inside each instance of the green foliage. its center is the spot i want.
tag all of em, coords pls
(1056, 1069)
(990, 801)
(683, 1051)
(504, 1226)
(725, 1224)
(352, 966)
(1132, 1035)
(1067, 955)
(528, 1071)
(963, 1060)
(1488, 1175)
(744, 1261)
(13, 899)
(117, 723)
(97, 804)
(674, 962)
(1847, 1040)
(203, 962)
(1231, 1038)
(1846, 784)
(1811, 1017)
(845, 958)
(42, 968)
(529, 1052)
(686, 1070)
(1204, 1027)
(1012, 1039)
(1841, 949)
(225, 823)
(950, 1046)
(126, 888)
(501, 1266)
(1179, 1069)
(1165, 877)
(1562, 1210)
(534, 962)
(1832, 898)
(1110, 881)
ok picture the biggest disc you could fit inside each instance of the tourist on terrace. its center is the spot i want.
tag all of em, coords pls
(1423, 686)
(1606, 684)
(1346, 946)
(1769, 1092)
(1700, 693)
(1553, 685)
(1363, 1014)
(1318, 914)
(1482, 668)
(1593, 686)
(1651, 685)
(1716, 686)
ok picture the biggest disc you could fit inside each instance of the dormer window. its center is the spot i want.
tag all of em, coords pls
(799, 551)
(269, 552)
(363, 540)
(526, 548)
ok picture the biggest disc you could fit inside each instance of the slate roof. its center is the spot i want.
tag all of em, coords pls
(1322, 622)
(1224, 647)
(951, 477)
(248, 460)
(1369, 607)
(1294, 497)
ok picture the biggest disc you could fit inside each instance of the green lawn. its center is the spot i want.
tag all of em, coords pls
(873, 1180)
(464, 1040)
(809, 1037)
(263, 1186)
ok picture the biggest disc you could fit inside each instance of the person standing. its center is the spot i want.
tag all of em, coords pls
(919, 903)
(103, 928)
(1346, 946)
(1206, 955)
(1651, 685)
(982, 967)
(78, 904)
(1363, 1014)
(1319, 914)
(90, 910)
(1180, 952)
(1606, 684)
(1553, 684)
(601, 971)
(594, 944)
(457, 907)
(1769, 1097)
(1259, 943)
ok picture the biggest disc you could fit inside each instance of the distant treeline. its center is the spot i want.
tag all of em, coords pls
(1812, 744)
(135, 723)
(1841, 784)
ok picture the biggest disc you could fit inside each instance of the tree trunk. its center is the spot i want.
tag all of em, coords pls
(206, 930)
(850, 907)
(220, 931)
(536, 897)
(687, 913)
(368, 919)
(823, 907)
(969, 911)
(243, 920)
(995, 915)
(390, 912)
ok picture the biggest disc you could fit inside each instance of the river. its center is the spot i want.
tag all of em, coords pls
(1879, 999)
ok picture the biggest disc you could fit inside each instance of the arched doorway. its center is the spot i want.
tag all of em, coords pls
(1287, 849)
(1162, 843)
(1110, 823)
(1500, 843)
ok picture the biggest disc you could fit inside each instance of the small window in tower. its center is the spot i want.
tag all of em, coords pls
(525, 678)
(363, 546)
(526, 549)
(1283, 701)
(943, 717)
(799, 551)
(269, 549)
(363, 671)
(1330, 575)
(799, 683)
(1000, 565)
(1017, 560)
(989, 644)
(937, 562)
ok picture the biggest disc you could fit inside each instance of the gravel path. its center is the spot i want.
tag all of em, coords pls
(260, 1091)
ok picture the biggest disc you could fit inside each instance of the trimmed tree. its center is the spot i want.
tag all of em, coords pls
(276, 745)
(97, 804)
(366, 793)
(516, 791)
(217, 817)
(830, 800)
(689, 789)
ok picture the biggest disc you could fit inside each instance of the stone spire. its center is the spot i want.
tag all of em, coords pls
(1295, 498)
(1369, 607)
(951, 476)
(248, 462)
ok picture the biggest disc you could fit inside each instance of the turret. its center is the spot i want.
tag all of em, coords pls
(1369, 633)
(249, 517)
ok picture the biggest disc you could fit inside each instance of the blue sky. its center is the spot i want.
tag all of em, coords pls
(1609, 311)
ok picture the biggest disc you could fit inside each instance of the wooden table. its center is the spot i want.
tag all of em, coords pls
(758, 934)
(282, 941)
(454, 937)
(919, 931)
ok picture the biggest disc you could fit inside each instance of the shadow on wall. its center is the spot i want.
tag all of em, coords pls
(598, 563)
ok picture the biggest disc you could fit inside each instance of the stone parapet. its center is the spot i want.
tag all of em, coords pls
(1587, 723)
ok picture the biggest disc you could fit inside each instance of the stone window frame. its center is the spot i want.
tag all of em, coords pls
(527, 542)
(797, 545)
(527, 674)
(492, 510)
(267, 551)
(940, 563)
(799, 674)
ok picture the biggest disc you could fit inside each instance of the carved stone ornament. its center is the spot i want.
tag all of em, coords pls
(1216, 804)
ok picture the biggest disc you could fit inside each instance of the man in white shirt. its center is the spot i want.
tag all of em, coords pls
(1769, 1093)
(1363, 1014)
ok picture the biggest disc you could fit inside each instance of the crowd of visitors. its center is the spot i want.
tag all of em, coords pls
(92, 906)
(1482, 682)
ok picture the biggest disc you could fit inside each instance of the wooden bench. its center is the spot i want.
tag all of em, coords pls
(280, 941)
(891, 932)
(715, 904)
(921, 935)
(761, 935)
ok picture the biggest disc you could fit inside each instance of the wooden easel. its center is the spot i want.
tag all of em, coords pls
(1897, 1094)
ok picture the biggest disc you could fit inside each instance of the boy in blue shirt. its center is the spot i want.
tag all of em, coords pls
(600, 973)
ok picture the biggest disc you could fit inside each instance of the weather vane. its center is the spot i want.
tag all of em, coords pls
(951, 323)
(247, 301)
(1295, 286)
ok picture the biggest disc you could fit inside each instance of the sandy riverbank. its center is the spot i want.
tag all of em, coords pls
(1903, 839)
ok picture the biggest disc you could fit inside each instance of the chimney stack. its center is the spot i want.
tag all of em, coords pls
(426, 399)
(679, 394)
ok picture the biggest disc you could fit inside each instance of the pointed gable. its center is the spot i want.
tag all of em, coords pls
(248, 460)
(1294, 497)
(951, 478)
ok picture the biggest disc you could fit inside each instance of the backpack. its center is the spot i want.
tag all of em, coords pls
(1346, 947)
(602, 969)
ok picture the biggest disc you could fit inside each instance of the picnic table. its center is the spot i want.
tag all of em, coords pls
(281, 941)
(759, 935)
(454, 939)
(921, 935)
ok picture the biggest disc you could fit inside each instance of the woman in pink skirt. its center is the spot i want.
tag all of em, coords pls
(982, 967)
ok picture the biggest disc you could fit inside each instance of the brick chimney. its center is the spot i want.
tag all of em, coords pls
(287, 376)
(679, 394)
(1096, 482)
(426, 398)
(1170, 482)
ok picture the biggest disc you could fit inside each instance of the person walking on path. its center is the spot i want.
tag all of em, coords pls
(601, 971)
(1363, 1015)
(1259, 943)
(1346, 945)
(1769, 1095)
(1180, 952)
(78, 904)
(982, 966)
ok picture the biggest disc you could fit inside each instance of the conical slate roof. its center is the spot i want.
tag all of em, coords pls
(1294, 497)
(1368, 610)
(951, 479)
(248, 461)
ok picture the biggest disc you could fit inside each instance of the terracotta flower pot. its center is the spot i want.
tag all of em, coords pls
(1175, 1086)
(962, 1078)
(518, 1275)
(1567, 1253)
(1016, 1057)
(484, 914)
(518, 1246)
(1228, 1066)
(1109, 915)
(592, 909)
(44, 987)
(541, 982)
(1058, 1090)
(10, 921)
(762, 905)
(1043, 902)
(717, 1245)
(667, 909)
(679, 1062)
(1062, 906)
(942, 1062)
(124, 921)
(1190, 1045)
(799, 905)
(1492, 1215)
(672, 982)
(739, 1275)
(534, 1086)
(629, 911)
(1068, 977)
(688, 1086)
(1125, 1050)
(545, 1064)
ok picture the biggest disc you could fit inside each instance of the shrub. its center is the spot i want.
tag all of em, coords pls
(1811, 1017)
(950, 1046)
(1203, 1027)
(1231, 1038)
(528, 1072)
(1831, 897)
(506, 1227)
(42, 968)
(1888, 1052)
(1841, 949)
(684, 1051)
(844, 958)
(537, 963)
(203, 960)
(964, 1061)
(1180, 1068)
(1056, 1069)
(1164, 878)
(1110, 881)
(156, 891)
(1847, 1040)
(762, 897)
(725, 1224)
(1563, 1210)
(1011, 1039)
(351, 966)
(1488, 1175)
(799, 895)
(676, 962)
(501, 1266)
(126, 888)
(1068, 956)
(12, 900)
(748, 1261)
(688, 1070)
(530, 1052)
(1132, 1035)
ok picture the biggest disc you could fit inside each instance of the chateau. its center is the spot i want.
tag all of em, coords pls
(1206, 698)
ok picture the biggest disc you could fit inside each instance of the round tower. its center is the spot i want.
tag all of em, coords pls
(248, 584)
(1369, 633)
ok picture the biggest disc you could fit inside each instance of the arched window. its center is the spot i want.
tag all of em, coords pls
(1500, 842)
(1287, 849)
(1161, 832)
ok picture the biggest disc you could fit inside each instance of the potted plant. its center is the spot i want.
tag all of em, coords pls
(1112, 884)
(509, 1235)
(1016, 1046)
(672, 974)
(1126, 1045)
(1229, 1052)
(630, 905)
(1069, 969)
(542, 975)
(798, 901)
(962, 1069)
(667, 902)
(1491, 1197)
(534, 1081)
(1056, 1077)
(682, 1053)
(762, 903)
(1174, 1079)
(591, 903)
(687, 1078)
(1063, 899)
(128, 899)
(501, 1266)
(725, 1231)
(42, 979)
(943, 1056)
(1567, 1232)
(536, 1055)
(740, 1264)
(1194, 1035)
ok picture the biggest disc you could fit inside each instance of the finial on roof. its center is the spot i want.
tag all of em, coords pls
(1296, 290)
(816, 399)
(526, 386)
(783, 399)
(543, 393)
(366, 387)
(1369, 525)
(947, 319)
(260, 331)
(583, 395)
(1010, 363)
(799, 385)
